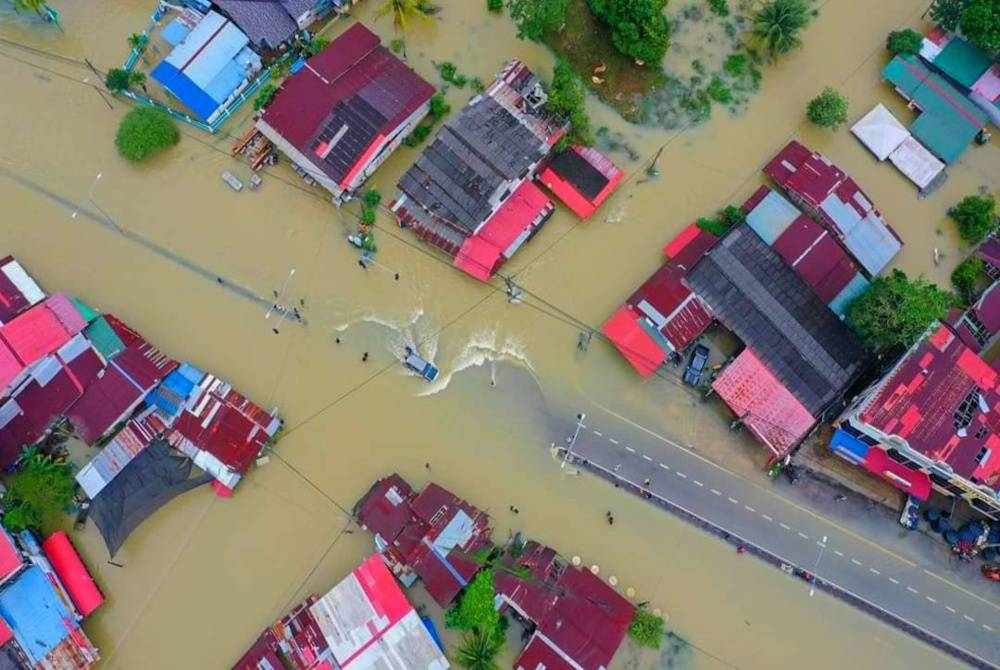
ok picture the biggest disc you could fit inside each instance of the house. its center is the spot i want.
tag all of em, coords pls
(365, 621)
(219, 429)
(664, 315)
(787, 329)
(931, 422)
(967, 66)
(270, 24)
(948, 120)
(18, 291)
(470, 193)
(837, 203)
(40, 400)
(978, 325)
(111, 398)
(433, 535)
(886, 137)
(578, 621)
(43, 594)
(341, 115)
(809, 248)
(582, 178)
(209, 67)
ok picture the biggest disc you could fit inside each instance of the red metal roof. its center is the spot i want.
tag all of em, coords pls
(295, 639)
(35, 333)
(72, 573)
(540, 654)
(912, 482)
(385, 509)
(563, 185)
(689, 246)
(762, 403)
(352, 71)
(635, 344)
(14, 283)
(534, 597)
(10, 557)
(816, 257)
(225, 433)
(10, 366)
(937, 384)
(477, 258)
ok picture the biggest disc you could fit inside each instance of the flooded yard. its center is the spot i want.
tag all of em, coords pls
(205, 575)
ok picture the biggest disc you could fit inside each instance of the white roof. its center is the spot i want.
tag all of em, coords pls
(916, 162)
(880, 131)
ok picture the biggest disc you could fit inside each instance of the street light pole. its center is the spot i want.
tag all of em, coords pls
(812, 582)
(90, 194)
(579, 424)
(280, 294)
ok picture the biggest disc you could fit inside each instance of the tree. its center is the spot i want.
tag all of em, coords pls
(264, 96)
(980, 23)
(371, 198)
(966, 276)
(534, 18)
(145, 132)
(475, 610)
(316, 45)
(404, 12)
(896, 310)
(35, 5)
(639, 28)
(40, 491)
(567, 98)
(495, 6)
(118, 80)
(646, 629)
(946, 13)
(828, 109)
(479, 650)
(137, 41)
(975, 216)
(777, 24)
(904, 42)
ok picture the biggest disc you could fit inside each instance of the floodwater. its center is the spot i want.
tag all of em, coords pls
(205, 575)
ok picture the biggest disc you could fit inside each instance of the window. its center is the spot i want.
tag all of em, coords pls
(976, 326)
(982, 432)
(965, 410)
(984, 507)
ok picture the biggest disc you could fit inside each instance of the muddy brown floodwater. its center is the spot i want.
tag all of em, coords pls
(205, 575)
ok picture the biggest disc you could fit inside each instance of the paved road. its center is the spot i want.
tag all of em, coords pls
(883, 577)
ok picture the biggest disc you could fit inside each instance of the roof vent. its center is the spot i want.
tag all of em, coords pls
(536, 97)
(962, 432)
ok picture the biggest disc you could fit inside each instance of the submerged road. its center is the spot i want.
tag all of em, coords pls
(866, 573)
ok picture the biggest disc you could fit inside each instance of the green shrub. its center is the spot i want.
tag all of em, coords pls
(980, 24)
(419, 134)
(828, 109)
(460, 80)
(567, 98)
(966, 276)
(145, 132)
(646, 629)
(776, 25)
(367, 216)
(946, 13)
(731, 215)
(639, 28)
(477, 85)
(475, 610)
(448, 70)
(718, 91)
(396, 45)
(904, 42)
(975, 216)
(534, 18)
(372, 198)
(439, 107)
(40, 491)
(719, 7)
(265, 94)
(316, 45)
(495, 6)
(735, 64)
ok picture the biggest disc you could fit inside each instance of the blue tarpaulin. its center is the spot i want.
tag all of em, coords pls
(35, 614)
(849, 447)
(175, 389)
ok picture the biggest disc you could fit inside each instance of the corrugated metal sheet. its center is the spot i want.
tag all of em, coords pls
(67, 313)
(917, 163)
(880, 131)
(119, 452)
(35, 333)
(854, 288)
(18, 291)
(104, 338)
(772, 216)
(35, 614)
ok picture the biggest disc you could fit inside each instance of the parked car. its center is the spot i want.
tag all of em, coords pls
(699, 361)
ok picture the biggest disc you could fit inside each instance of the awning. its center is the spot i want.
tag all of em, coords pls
(72, 573)
(916, 484)
(633, 342)
(848, 447)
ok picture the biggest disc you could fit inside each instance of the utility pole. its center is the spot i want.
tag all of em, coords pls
(812, 582)
(279, 295)
(90, 194)
(572, 441)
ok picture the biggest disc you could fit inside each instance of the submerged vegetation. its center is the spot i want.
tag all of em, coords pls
(896, 310)
(724, 219)
(145, 132)
(40, 491)
(566, 98)
(646, 629)
(975, 216)
(828, 109)
(439, 108)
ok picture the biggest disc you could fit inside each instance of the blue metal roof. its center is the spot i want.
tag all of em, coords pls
(849, 447)
(185, 90)
(772, 216)
(175, 32)
(35, 614)
(854, 288)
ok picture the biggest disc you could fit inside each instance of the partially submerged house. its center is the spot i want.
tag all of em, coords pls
(837, 203)
(209, 66)
(577, 621)
(341, 115)
(470, 193)
(271, 24)
(933, 421)
(365, 621)
(809, 354)
(948, 120)
(967, 66)
(582, 178)
(886, 137)
(433, 534)
(34, 334)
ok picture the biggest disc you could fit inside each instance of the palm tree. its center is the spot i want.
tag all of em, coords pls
(777, 24)
(137, 78)
(36, 5)
(403, 12)
(118, 80)
(479, 650)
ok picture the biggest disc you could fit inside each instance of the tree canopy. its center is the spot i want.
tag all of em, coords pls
(646, 629)
(145, 132)
(965, 277)
(975, 216)
(896, 310)
(946, 13)
(828, 109)
(40, 491)
(639, 28)
(776, 25)
(475, 610)
(567, 98)
(904, 42)
(479, 650)
(534, 18)
(980, 23)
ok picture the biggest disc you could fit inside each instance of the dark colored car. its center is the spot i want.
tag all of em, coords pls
(699, 360)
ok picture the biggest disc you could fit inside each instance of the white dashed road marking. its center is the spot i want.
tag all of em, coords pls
(838, 552)
(987, 628)
(614, 441)
(697, 483)
(749, 509)
(681, 475)
(647, 458)
(950, 609)
(598, 433)
(968, 618)
(664, 466)
(896, 581)
(733, 500)
(855, 561)
(803, 535)
(766, 517)
(912, 590)
(874, 571)
(929, 599)
(630, 450)
(785, 526)
(716, 492)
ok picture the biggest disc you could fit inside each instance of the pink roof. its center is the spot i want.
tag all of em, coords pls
(988, 85)
(634, 343)
(689, 246)
(762, 403)
(939, 382)
(10, 557)
(35, 333)
(357, 84)
(67, 313)
(10, 366)
(128, 378)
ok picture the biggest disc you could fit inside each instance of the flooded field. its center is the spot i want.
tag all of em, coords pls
(205, 575)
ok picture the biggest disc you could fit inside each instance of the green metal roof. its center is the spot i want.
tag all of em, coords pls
(85, 310)
(962, 62)
(948, 120)
(103, 337)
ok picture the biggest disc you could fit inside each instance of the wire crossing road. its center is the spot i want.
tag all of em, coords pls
(931, 606)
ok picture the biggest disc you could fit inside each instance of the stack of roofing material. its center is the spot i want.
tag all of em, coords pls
(886, 137)
(18, 291)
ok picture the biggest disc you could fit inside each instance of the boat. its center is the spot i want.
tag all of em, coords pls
(233, 182)
(419, 365)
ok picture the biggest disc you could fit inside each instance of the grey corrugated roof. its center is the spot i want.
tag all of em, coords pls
(266, 22)
(297, 8)
(758, 296)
